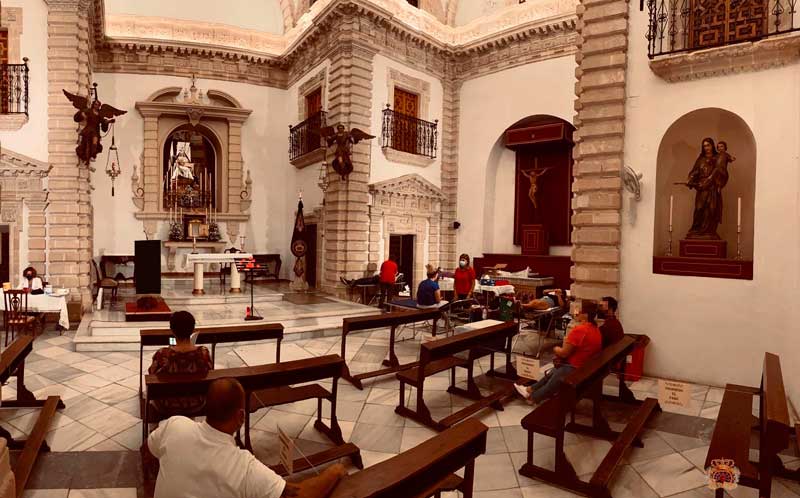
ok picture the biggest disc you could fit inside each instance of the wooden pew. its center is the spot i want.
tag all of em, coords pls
(12, 363)
(731, 437)
(438, 356)
(268, 385)
(425, 470)
(550, 419)
(211, 335)
(391, 320)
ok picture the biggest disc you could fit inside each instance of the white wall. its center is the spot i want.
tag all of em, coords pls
(703, 329)
(31, 140)
(382, 168)
(264, 150)
(489, 105)
(264, 15)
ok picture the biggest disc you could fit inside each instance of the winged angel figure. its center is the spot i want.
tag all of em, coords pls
(342, 163)
(94, 116)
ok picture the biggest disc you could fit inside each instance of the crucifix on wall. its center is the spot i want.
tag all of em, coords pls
(533, 175)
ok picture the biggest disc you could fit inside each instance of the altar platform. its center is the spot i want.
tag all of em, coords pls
(303, 315)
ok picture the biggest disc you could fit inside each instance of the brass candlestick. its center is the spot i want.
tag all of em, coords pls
(669, 243)
(739, 242)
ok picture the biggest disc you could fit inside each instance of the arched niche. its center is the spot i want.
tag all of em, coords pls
(677, 153)
(201, 148)
(535, 144)
(219, 118)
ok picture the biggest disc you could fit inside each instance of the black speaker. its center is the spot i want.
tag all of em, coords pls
(147, 267)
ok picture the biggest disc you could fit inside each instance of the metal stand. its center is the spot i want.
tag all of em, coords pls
(669, 243)
(253, 315)
(739, 242)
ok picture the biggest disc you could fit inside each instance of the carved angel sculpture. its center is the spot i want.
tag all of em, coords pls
(95, 117)
(342, 163)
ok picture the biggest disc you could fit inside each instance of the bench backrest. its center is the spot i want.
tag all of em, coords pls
(416, 470)
(597, 368)
(14, 355)
(392, 319)
(774, 422)
(251, 378)
(217, 335)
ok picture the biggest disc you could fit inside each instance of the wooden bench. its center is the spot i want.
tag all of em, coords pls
(391, 320)
(12, 363)
(735, 424)
(550, 419)
(265, 386)
(438, 356)
(425, 470)
(211, 335)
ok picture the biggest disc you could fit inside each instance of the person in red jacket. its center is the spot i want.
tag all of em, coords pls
(464, 278)
(387, 279)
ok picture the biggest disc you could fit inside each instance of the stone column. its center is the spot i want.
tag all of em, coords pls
(375, 235)
(69, 214)
(346, 203)
(37, 235)
(449, 138)
(598, 154)
(234, 166)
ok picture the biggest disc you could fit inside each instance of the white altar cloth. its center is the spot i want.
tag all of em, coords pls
(45, 303)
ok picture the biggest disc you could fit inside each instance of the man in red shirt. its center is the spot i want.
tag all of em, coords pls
(582, 342)
(387, 280)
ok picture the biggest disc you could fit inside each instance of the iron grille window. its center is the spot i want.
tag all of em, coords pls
(409, 134)
(14, 97)
(306, 137)
(686, 25)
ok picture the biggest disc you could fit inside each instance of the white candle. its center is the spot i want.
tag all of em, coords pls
(670, 209)
(739, 212)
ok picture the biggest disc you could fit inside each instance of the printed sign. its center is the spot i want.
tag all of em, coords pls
(674, 393)
(287, 449)
(528, 368)
(722, 474)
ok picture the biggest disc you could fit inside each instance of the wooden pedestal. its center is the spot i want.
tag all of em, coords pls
(534, 240)
(701, 248)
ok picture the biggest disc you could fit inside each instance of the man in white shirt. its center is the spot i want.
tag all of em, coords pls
(30, 280)
(201, 459)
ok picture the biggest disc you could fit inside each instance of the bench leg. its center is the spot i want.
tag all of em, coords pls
(530, 447)
(469, 479)
(402, 403)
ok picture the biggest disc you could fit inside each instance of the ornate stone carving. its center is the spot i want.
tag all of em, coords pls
(742, 57)
(137, 185)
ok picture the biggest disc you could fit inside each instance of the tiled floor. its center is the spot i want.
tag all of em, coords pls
(95, 440)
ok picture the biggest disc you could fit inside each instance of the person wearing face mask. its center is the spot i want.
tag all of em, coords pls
(580, 344)
(31, 281)
(464, 278)
(611, 329)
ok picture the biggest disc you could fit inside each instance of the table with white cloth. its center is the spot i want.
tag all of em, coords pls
(201, 259)
(46, 303)
(447, 284)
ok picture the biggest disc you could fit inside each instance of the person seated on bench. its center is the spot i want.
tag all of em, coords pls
(200, 459)
(580, 344)
(464, 278)
(183, 357)
(31, 281)
(611, 329)
(428, 293)
(552, 298)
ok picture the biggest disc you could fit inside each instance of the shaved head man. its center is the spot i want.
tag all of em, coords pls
(201, 459)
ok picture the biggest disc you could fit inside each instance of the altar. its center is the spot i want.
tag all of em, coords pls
(201, 259)
(173, 246)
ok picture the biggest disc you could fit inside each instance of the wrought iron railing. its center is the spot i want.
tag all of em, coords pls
(686, 25)
(306, 137)
(409, 134)
(14, 97)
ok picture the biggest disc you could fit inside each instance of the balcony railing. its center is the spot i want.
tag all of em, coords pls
(306, 137)
(409, 134)
(14, 88)
(684, 25)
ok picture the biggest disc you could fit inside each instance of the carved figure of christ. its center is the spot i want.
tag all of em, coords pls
(533, 175)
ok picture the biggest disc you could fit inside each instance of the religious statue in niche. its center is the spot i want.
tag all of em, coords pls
(95, 117)
(533, 175)
(708, 177)
(344, 140)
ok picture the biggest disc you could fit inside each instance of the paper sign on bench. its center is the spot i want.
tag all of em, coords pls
(287, 449)
(671, 392)
(528, 367)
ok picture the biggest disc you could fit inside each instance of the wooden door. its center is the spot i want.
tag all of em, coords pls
(313, 102)
(405, 129)
(721, 22)
(401, 247)
(311, 255)
(5, 87)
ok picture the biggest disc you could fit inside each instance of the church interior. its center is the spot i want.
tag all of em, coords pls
(385, 248)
